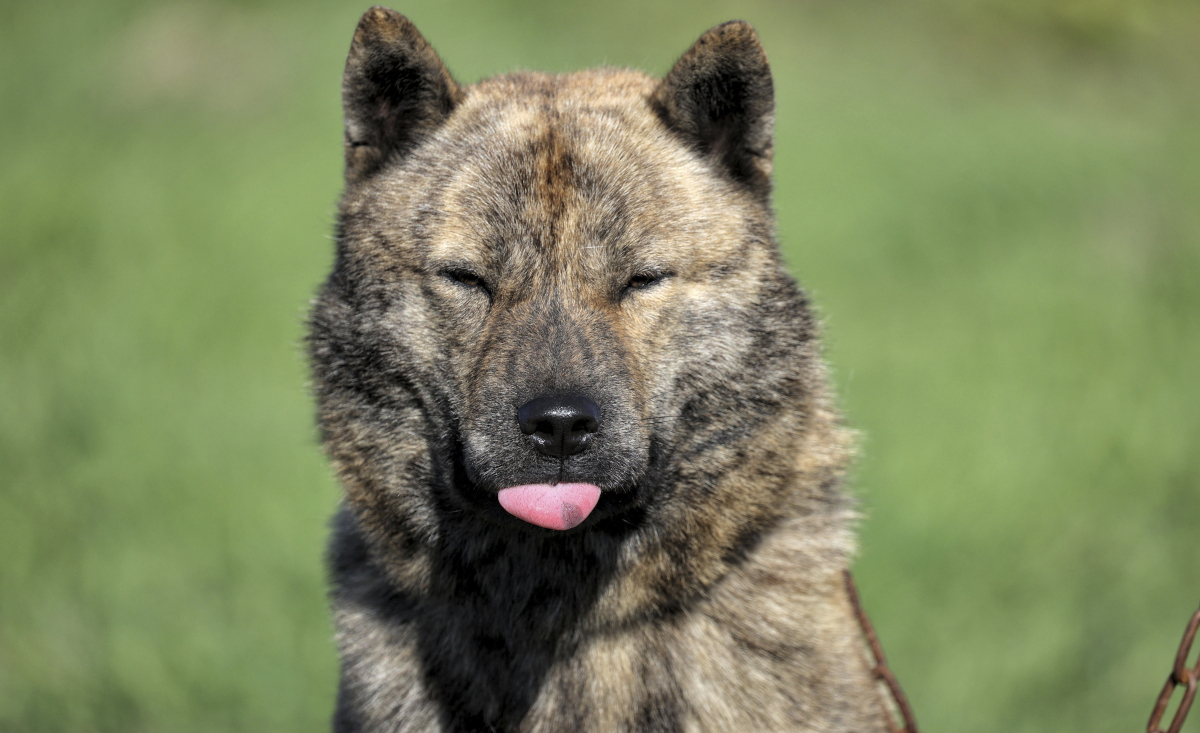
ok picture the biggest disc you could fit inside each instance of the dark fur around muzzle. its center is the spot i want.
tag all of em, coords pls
(551, 399)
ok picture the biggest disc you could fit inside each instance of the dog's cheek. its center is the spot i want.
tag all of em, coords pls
(708, 336)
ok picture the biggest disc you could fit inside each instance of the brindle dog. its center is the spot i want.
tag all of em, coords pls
(590, 458)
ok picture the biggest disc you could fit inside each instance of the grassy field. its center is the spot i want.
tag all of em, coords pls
(996, 203)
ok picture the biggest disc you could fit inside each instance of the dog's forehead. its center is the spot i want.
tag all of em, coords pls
(571, 168)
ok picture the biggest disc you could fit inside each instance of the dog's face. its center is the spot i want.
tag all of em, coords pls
(550, 288)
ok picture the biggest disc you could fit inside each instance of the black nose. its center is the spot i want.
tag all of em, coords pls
(559, 425)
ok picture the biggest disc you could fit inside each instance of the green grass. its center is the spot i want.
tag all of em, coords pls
(996, 203)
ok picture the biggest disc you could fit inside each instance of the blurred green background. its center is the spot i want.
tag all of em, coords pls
(996, 203)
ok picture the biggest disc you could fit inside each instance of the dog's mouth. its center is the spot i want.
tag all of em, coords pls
(552, 506)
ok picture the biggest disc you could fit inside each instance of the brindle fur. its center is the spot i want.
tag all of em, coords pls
(602, 233)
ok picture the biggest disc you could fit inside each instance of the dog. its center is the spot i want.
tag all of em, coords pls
(590, 456)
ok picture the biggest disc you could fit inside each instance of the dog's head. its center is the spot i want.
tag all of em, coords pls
(554, 293)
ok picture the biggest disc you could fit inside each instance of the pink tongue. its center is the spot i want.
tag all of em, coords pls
(561, 506)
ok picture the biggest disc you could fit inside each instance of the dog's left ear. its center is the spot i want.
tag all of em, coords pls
(719, 97)
(395, 91)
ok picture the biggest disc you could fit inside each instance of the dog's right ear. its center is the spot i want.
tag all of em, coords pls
(720, 99)
(395, 90)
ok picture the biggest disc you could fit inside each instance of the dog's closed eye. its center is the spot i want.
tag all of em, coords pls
(646, 279)
(467, 278)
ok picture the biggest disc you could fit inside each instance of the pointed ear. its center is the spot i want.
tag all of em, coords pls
(395, 90)
(720, 99)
